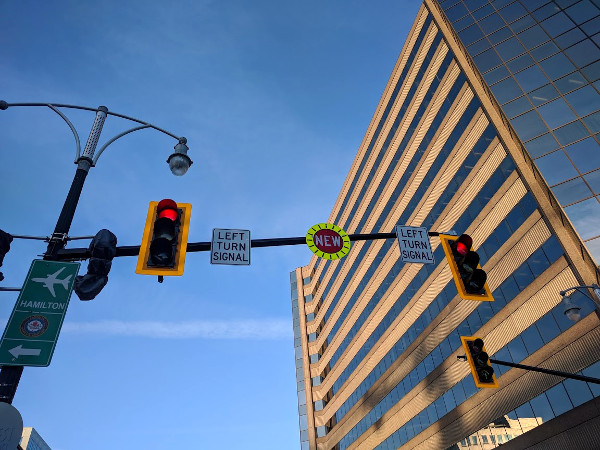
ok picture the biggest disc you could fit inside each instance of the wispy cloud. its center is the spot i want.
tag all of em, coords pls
(270, 329)
(193, 329)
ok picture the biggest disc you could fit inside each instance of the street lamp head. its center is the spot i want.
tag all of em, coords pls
(572, 311)
(179, 161)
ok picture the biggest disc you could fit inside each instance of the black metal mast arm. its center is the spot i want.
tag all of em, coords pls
(134, 250)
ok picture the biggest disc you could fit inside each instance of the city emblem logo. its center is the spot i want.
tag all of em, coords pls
(34, 326)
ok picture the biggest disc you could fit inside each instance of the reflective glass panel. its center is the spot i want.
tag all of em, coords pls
(544, 50)
(591, 27)
(531, 78)
(520, 63)
(592, 72)
(470, 34)
(570, 133)
(496, 75)
(517, 107)
(522, 24)
(491, 23)
(479, 46)
(509, 49)
(529, 125)
(463, 23)
(557, 66)
(481, 12)
(583, 53)
(559, 400)
(512, 12)
(582, 11)
(572, 191)
(594, 248)
(570, 82)
(555, 167)
(543, 95)
(556, 113)
(533, 37)
(569, 38)
(506, 90)
(585, 216)
(593, 122)
(585, 154)
(593, 180)
(557, 24)
(456, 12)
(541, 145)
(487, 60)
(500, 35)
(578, 392)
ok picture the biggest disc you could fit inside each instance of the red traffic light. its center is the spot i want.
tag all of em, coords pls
(463, 244)
(167, 208)
(468, 276)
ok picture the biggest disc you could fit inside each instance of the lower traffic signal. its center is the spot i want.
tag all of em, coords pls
(478, 359)
(5, 240)
(164, 243)
(103, 249)
(468, 276)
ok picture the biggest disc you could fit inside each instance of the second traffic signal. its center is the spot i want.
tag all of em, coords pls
(478, 359)
(164, 243)
(469, 277)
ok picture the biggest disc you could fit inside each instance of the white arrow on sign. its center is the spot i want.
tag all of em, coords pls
(20, 351)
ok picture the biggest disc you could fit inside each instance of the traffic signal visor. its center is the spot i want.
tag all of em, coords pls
(468, 276)
(164, 243)
(478, 359)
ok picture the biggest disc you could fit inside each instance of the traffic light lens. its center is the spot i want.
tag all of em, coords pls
(461, 248)
(164, 228)
(464, 244)
(485, 374)
(166, 203)
(477, 282)
(161, 251)
(170, 214)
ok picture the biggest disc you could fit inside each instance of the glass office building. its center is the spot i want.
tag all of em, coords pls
(31, 440)
(485, 127)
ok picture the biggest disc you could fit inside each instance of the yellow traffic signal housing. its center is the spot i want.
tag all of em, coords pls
(478, 359)
(465, 290)
(164, 242)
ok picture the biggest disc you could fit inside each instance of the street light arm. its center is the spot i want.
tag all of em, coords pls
(120, 135)
(595, 287)
(77, 142)
(5, 105)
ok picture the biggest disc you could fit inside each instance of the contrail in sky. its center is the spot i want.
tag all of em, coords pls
(191, 329)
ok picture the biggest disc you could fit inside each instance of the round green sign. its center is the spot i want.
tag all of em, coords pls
(328, 241)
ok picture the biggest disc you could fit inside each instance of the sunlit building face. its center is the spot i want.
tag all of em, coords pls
(487, 126)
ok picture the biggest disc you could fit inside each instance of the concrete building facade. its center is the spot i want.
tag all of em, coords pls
(453, 146)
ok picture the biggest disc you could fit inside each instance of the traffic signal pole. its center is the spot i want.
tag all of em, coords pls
(574, 376)
(72, 254)
(11, 375)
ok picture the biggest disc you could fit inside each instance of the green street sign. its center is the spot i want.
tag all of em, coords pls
(32, 330)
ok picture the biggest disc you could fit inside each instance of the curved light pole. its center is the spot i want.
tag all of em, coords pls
(179, 162)
(571, 308)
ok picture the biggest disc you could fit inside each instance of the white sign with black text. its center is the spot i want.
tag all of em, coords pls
(414, 245)
(230, 247)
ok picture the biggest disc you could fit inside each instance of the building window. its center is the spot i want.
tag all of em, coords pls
(321, 431)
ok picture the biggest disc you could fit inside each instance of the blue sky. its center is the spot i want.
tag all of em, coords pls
(274, 98)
